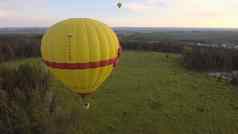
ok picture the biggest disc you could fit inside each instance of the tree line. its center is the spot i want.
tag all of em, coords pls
(19, 46)
(159, 46)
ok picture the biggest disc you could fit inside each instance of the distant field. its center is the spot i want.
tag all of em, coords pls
(150, 94)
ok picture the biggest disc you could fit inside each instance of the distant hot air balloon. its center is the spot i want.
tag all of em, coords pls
(119, 4)
(81, 53)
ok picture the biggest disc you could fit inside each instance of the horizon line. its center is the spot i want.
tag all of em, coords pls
(175, 27)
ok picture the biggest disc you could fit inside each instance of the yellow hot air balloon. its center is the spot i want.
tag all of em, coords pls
(81, 53)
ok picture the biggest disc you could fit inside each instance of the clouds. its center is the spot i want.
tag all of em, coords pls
(184, 13)
(178, 13)
(188, 7)
(145, 6)
(5, 13)
(19, 5)
(24, 13)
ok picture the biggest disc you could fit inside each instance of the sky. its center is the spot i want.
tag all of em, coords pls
(136, 13)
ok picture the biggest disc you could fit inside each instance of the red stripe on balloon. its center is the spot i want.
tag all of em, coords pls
(89, 65)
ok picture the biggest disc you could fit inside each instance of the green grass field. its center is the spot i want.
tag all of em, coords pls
(151, 94)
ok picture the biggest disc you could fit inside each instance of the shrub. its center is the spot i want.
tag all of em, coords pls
(27, 105)
(187, 53)
(234, 80)
(6, 52)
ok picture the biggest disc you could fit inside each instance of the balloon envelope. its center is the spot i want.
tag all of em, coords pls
(81, 53)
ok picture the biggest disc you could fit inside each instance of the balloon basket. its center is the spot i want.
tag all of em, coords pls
(85, 102)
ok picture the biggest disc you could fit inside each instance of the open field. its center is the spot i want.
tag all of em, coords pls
(151, 94)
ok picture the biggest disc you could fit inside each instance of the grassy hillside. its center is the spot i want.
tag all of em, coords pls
(150, 94)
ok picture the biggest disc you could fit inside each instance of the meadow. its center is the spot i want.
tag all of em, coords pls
(151, 93)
